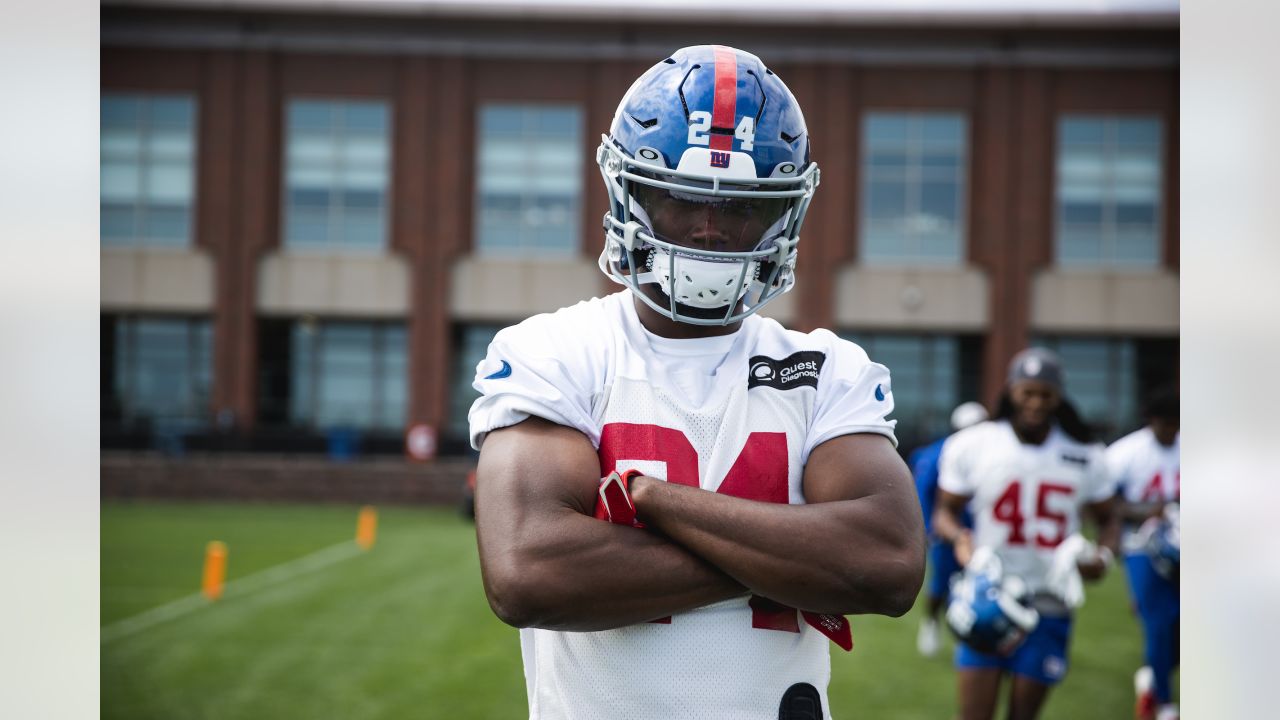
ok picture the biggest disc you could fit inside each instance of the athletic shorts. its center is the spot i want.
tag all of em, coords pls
(1042, 657)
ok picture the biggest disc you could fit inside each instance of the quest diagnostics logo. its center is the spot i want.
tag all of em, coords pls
(762, 370)
(796, 370)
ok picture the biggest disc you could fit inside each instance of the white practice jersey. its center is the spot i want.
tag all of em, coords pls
(1144, 472)
(1026, 498)
(737, 414)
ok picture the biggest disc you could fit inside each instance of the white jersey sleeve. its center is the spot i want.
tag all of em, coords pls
(547, 366)
(854, 395)
(954, 464)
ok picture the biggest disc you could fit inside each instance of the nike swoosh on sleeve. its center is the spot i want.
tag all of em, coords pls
(505, 372)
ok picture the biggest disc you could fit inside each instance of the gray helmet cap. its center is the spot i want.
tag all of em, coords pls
(1039, 364)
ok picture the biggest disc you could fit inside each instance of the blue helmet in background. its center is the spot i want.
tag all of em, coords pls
(707, 169)
(990, 613)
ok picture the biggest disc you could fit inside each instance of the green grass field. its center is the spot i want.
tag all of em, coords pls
(403, 630)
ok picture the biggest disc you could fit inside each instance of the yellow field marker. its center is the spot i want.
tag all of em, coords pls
(367, 527)
(215, 569)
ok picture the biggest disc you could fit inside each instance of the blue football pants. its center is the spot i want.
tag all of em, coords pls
(1159, 609)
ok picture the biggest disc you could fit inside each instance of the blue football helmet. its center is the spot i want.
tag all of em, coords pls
(707, 169)
(988, 612)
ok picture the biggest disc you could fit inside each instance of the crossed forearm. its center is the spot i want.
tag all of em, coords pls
(844, 557)
(578, 573)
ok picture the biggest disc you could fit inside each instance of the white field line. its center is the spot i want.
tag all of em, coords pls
(241, 586)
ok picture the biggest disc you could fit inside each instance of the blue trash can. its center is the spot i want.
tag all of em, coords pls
(168, 436)
(344, 444)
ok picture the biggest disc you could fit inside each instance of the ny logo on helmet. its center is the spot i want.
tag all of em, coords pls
(719, 159)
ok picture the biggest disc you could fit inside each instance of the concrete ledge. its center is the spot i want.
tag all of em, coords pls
(162, 279)
(251, 477)
(374, 285)
(902, 298)
(490, 288)
(1105, 301)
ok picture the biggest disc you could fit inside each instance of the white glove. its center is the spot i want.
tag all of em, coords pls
(984, 561)
(1064, 576)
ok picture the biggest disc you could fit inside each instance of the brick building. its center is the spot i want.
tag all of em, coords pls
(315, 215)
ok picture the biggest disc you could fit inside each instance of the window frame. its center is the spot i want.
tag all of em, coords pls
(315, 360)
(525, 250)
(914, 185)
(140, 205)
(126, 359)
(1108, 224)
(388, 192)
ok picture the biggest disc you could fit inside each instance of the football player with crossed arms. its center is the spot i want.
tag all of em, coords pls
(1145, 466)
(751, 493)
(1028, 476)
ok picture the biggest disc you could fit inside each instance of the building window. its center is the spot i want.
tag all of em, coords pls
(913, 192)
(160, 371)
(147, 166)
(336, 174)
(472, 343)
(1109, 188)
(1101, 379)
(529, 179)
(348, 375)
(931, 375)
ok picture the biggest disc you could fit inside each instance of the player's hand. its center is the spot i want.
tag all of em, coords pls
(1095, 567)
(963, 547)
(614, 503)
(1091, 570)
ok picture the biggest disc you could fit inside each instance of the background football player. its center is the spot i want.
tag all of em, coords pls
(942, 558)
(1028, 475)
(1145, 466)
(752, 492)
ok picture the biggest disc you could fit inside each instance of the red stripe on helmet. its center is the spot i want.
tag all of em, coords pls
(726, 97)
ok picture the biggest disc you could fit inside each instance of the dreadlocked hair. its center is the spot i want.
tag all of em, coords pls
(1066, 417)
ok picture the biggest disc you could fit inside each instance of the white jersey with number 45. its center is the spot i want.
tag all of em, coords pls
(737, 414)
(1026, 498)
